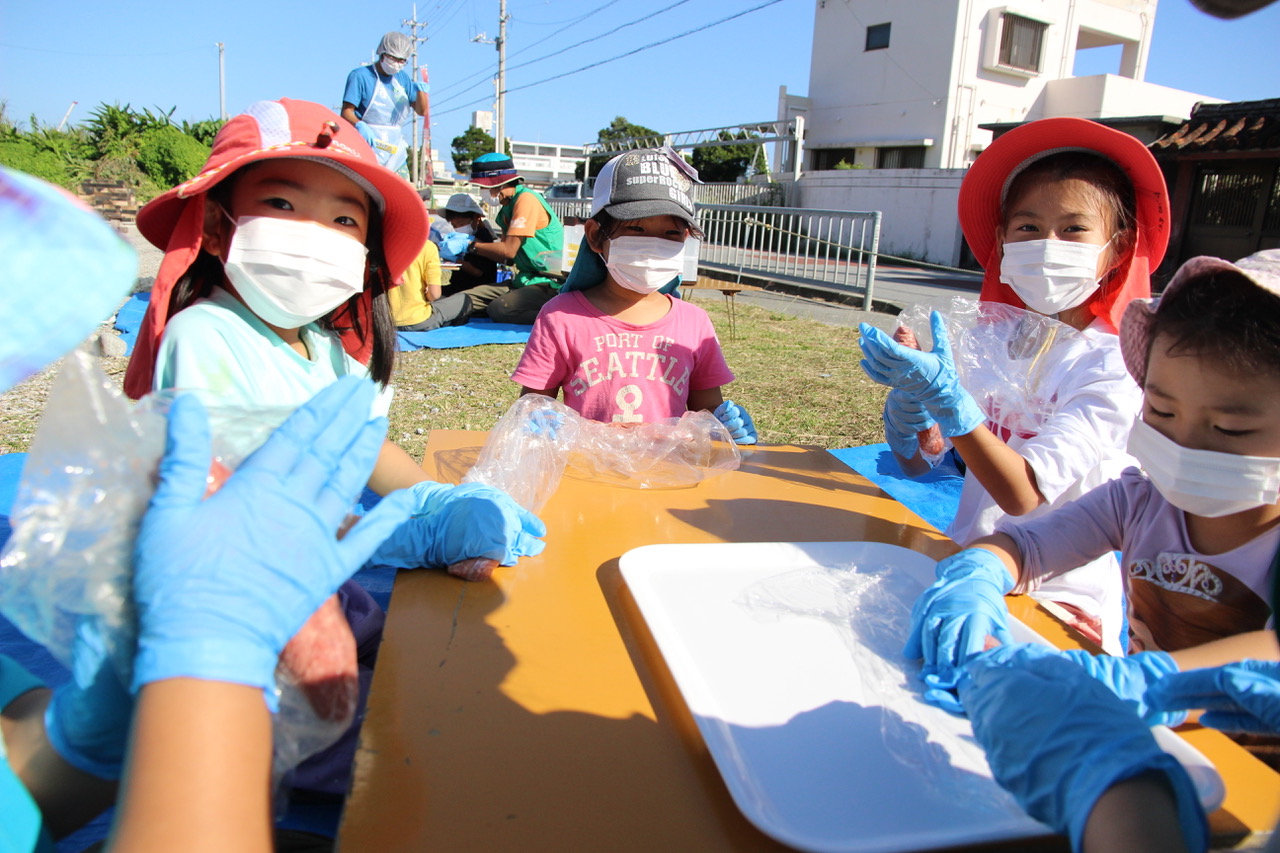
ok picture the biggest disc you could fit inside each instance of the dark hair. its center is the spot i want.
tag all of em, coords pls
(1099, 172)
(206, 271)
(609, 225)
(1224, 318)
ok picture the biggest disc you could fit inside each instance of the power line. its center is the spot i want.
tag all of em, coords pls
(101, 55)
(572, 23)
(602, 35)
(487, 72)
(648, 46)
(615, 58)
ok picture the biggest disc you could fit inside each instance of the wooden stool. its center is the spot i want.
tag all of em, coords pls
(729, 289)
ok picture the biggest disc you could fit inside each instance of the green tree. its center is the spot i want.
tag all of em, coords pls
(618, 129)
(470, 145)
(726, 163)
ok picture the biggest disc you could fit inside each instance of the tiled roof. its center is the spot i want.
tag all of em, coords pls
(1239, 126)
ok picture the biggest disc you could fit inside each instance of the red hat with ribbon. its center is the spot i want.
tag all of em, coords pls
(267, 130)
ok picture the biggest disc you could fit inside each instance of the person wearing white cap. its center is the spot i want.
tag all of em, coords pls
(619, 348)
(380, 98)
(477, 276)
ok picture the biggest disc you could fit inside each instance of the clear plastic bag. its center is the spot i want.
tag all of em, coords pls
(531, 446)
(1006, 357)
(869, 607)
(86, 484)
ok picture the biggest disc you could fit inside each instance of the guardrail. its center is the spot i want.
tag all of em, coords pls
(837, 248)
(791, 244)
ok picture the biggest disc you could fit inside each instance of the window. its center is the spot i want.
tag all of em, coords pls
(905, 157)
(878, 36)
(1021, 40)
(827, 159)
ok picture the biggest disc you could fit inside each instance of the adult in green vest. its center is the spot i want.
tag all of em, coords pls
(532, 239)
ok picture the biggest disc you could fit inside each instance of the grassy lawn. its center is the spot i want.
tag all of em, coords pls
(798, 378)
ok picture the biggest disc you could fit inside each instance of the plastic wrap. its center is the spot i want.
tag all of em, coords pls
(86, 484)
(533, 444)
(870, 608)
(1005, 356)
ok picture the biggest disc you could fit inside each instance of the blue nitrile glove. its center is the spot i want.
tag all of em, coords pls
(222, 584)
(736, 420)
(904, 419)
(1238, 697)
(952, 619)
(454, 245)
(928, 377)
(1130, 678)
(1057, 739)
(87, 720)
(366, 133)
(453, 523)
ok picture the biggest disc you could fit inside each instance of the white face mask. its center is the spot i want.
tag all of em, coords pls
(1051, 275)
(292, 272)
(1204, 482)
(644, 264)
(391, 67)
(465, 229)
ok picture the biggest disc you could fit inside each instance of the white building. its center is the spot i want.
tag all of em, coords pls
(539, 163)
(543, 163)
(907, 84)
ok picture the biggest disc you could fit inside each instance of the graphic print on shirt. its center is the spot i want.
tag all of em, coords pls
(1177, 601)
(642, 356)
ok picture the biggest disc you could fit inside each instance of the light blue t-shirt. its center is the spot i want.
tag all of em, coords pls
(359, 90)
(20, 820)
(219, 349)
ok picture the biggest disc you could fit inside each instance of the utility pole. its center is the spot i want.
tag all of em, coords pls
(502, 76)
(222, 81)
(500, 81)
(414, 24)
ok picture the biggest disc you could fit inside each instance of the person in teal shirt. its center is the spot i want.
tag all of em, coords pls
(218, 590)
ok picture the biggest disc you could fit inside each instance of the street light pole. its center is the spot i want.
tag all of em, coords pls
(222, 81)
(502, 76)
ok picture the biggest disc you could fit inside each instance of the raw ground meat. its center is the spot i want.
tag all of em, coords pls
(321, 657)
(930, 439)
(474, 569)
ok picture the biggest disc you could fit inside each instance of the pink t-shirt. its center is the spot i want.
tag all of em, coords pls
(617, 372)
(1178, 597)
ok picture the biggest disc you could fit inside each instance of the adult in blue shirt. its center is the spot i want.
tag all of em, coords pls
(380, 99)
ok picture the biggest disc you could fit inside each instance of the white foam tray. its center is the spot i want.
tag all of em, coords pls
(813, 717)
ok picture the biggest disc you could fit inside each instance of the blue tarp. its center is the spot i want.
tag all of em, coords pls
(474, 333)
(934, 496)
(129, 319)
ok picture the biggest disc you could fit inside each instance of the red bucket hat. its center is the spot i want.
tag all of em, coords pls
(1261, 268)
(983, 189)
(174, 221)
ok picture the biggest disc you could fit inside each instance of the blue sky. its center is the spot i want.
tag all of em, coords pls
(155, 55)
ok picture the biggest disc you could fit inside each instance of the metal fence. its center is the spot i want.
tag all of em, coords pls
(836, 248)
(791, 244)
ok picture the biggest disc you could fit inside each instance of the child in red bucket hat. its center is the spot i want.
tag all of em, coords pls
(269, 130)
(1068, 218)
(278, 257)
